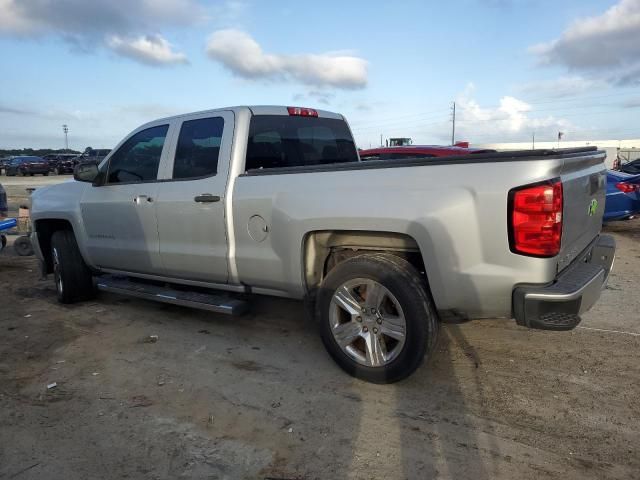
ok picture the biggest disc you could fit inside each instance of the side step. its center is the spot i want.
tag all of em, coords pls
(214, 302)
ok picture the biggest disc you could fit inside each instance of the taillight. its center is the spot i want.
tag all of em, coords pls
(535, 219)
(628, 187)
(302, 112)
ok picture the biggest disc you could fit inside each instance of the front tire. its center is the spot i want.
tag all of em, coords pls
(376, 317)
(74, 281)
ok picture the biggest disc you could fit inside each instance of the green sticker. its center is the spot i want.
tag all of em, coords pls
(593, 207)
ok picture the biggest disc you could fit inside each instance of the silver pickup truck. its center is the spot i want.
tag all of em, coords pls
(202, 209)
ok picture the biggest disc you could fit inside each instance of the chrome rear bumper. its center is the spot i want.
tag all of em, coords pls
(558, 305)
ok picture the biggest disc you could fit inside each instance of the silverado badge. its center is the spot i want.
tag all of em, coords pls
(593, 207)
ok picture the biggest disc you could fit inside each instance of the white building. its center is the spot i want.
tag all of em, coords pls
(612, 147)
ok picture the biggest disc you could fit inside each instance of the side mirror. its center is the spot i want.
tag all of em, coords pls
(86, 172)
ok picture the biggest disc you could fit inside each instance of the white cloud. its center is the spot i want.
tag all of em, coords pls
(243, 56)
(87, 20)
(632, 103)
(565, 86)
(511, 119)
(149, 49)
(120, 25)
(605, 45)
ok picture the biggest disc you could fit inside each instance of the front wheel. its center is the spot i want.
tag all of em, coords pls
(376, 317)
(74, 281)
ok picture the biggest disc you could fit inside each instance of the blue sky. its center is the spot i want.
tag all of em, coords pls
(514, 67)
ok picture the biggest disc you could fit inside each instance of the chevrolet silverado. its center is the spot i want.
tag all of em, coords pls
(204, 208)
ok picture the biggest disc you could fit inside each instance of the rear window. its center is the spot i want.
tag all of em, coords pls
(289, 141)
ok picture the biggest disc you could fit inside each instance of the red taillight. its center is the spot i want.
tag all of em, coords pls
(628, 187)
(302, 112)
(535, 219)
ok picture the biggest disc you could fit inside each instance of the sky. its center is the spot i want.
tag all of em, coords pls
(514, 68)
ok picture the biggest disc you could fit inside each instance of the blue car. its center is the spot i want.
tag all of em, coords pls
(623, 196)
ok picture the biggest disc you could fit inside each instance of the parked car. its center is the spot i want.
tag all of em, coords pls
(4, 206)
(3, 162)
(623, 196)
(418, 151)
(201, 209)
(632, 167)
(27, 165)
(92, 156)
(61, 163)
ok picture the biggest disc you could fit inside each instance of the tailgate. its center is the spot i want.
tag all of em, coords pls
(584, 182)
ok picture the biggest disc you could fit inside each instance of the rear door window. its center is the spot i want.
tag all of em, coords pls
(198, 148)
(291, 141)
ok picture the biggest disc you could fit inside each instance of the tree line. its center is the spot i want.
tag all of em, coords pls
(37, 152)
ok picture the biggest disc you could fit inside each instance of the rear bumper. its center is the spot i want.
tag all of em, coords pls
(558, 305)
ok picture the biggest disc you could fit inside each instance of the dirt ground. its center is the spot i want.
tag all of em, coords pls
(257, 397)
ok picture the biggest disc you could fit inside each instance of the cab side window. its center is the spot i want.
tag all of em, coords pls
(198, 148)
(138, 159)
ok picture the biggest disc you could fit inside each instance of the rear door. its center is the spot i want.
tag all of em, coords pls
(584, 183)
(190, 199)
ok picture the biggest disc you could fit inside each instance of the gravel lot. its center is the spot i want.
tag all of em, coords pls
(258, 397)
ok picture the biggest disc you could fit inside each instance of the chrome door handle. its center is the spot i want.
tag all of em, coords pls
(137, 200)
(207, 198)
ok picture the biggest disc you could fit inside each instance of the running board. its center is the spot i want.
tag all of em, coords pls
(219, 303)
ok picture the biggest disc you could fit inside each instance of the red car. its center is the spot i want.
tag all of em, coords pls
(418, 151)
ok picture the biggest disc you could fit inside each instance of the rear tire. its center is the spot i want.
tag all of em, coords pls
(73, 278)
(46, 174)
(386, 326)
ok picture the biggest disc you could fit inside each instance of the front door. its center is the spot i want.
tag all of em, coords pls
(119, 215)
(190, 201)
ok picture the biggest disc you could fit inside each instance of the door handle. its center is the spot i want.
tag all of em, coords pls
(207, 198)
(138, 200)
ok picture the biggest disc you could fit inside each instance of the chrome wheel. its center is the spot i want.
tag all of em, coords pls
(56, 272)
(367, 322)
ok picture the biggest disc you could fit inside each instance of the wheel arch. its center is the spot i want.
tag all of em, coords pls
(322, 250)
(44, 230)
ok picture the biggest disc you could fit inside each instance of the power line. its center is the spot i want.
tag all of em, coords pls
(435, 113)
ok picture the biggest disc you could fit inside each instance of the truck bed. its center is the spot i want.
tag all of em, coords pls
(493, 157)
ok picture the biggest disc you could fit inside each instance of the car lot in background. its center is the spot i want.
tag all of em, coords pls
(623, 196)
(4, 206)
(92, 156)
(632, 167)
(26, 165)
(3, 162)
(418, 151)
(62, 163)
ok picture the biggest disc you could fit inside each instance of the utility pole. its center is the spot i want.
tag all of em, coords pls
(381, 145)
(65, 129)
(453, 121)
(533, 141)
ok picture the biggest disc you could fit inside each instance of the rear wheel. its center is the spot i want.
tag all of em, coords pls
(45, 174)
(376, 317)
(74, 281)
